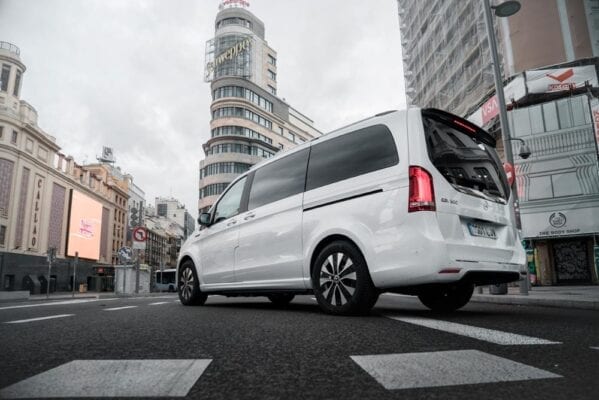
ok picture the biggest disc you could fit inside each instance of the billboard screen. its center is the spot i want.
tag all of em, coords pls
(85, 226)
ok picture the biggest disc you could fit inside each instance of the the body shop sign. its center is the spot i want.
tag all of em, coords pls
(562, 222)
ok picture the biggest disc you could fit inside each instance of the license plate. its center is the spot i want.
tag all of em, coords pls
(482, 230)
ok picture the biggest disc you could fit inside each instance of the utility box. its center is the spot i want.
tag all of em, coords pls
(124, 279)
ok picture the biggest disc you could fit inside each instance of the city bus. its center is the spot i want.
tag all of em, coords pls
(165, 281)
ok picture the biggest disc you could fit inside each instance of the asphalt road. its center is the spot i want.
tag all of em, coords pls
(244, 348)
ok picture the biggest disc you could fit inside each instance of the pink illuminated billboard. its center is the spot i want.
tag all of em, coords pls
(85, 226)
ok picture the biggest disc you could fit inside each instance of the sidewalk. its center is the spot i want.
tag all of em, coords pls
(86, 295)
(582, 297)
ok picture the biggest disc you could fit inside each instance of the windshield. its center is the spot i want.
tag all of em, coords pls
(463, 154)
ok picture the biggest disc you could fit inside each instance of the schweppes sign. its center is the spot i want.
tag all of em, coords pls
(228, 54)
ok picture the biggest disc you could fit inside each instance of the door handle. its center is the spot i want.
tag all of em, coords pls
(249, 216)
(232, 223)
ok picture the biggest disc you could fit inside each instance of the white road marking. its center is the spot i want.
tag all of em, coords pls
(313, 298)
(56, 303)
(119, 308)
(445, 368)
(595, 348)
(158, 303)
(488, 335)
(22, 321)
(111, 378)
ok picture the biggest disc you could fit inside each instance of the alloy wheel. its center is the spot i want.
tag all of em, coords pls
(186, 283)
(338, 279)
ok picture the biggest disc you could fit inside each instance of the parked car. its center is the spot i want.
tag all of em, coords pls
(413, 202)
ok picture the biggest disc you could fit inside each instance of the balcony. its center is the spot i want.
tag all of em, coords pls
(10, 47)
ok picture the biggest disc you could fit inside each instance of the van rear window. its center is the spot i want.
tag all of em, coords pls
(463, 154)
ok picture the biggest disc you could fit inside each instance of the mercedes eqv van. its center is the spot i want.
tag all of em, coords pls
(413, 202)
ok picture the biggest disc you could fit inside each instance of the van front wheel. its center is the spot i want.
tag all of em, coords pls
(188, 287)
(341, 281)
(448, 298)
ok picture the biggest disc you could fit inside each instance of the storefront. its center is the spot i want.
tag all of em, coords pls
(555, 111)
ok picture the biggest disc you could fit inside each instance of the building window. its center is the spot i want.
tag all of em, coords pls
(232, 130)
(15, 90)
(272, 60)
(213, 190)
(2, 235)
(4, 77)
(241, 113)
(239, 148)
(237, 91)
(224, 168)
(1, 131)
(15, 136)
(272, 90)
(272, 75)
(281, 146)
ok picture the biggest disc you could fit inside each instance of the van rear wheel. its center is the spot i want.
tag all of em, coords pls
(341, 281)
(448, 298)
(188, 286)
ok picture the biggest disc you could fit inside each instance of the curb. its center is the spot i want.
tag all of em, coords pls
(527, 301)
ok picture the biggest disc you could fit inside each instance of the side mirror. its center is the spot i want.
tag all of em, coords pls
(204, 219)
(524, 152)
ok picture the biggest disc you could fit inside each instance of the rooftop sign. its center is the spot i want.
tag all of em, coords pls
(233, 3)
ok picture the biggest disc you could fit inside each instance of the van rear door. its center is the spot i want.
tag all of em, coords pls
(471, 189)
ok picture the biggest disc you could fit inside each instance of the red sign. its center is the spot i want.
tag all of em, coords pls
(140, 234)
(509, 171)
(490, 109)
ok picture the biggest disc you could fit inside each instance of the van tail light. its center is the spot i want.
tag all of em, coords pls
(422, 193)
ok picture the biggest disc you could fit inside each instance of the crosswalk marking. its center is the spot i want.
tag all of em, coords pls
(445, 368)
(158, 303)
(111, 378)
(119, 308)
(22, 321)
(487, 335)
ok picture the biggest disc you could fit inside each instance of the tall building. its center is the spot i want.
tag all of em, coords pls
(47, 200)
(249, 121)
(447, 61)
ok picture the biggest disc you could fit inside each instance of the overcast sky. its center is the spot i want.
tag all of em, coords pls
(128, 74)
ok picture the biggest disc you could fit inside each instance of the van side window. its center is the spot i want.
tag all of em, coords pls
(228, 206)
(356, 153)
(279, 179)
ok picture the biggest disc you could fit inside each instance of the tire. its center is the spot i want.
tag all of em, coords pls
(448, 298)
(188, 286)
(281, 299)
(341, 281)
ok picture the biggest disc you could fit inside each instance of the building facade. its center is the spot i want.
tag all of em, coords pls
(173, 210)
(249, 121)
(447, 61)
(36, 185)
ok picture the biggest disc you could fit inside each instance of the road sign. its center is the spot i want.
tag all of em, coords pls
(140, 234)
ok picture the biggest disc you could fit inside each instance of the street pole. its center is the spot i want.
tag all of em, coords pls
(505, 129)
(49, 272)
(75, 271)
(137, 272)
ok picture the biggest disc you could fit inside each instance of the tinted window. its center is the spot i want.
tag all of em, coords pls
(229, 204)
(350, 155)
(470, 165)
(277, 180)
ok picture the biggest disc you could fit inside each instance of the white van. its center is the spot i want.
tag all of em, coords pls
(413, 201)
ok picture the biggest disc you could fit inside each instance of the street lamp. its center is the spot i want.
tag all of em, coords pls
(505, 9)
